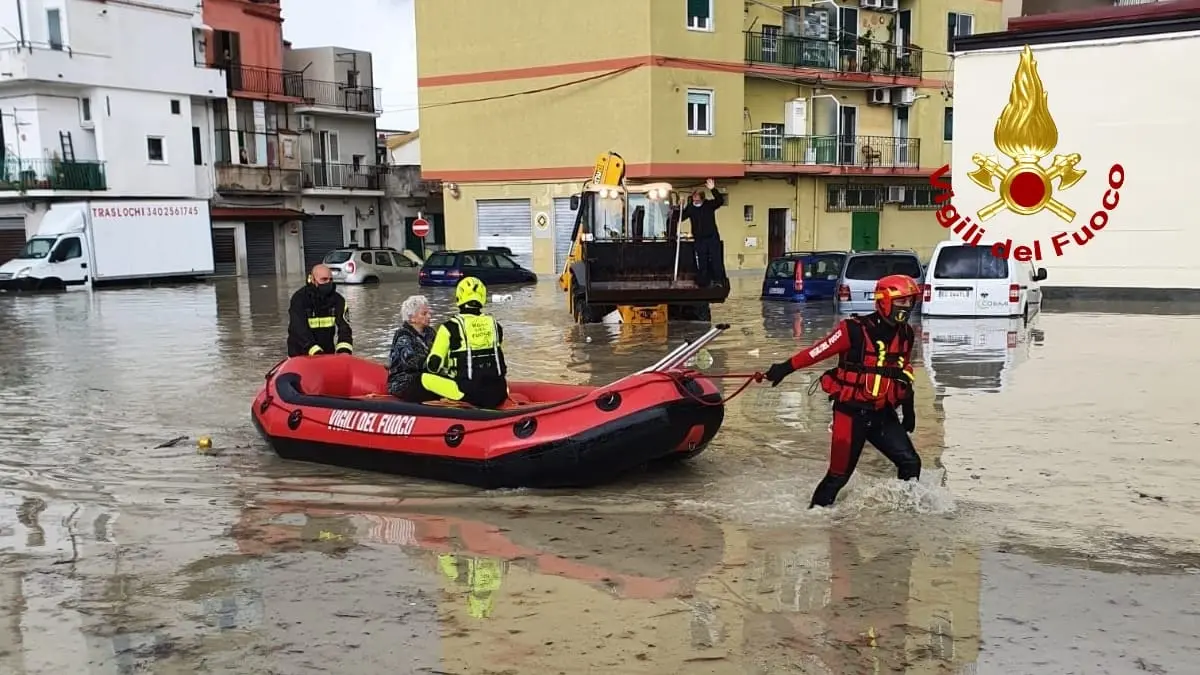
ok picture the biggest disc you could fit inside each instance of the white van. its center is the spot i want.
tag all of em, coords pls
(965, 280)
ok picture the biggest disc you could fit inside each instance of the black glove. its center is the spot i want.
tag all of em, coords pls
(778, 371)
(910, 415)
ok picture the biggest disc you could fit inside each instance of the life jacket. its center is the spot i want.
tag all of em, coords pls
(475, 352)
(871, 374)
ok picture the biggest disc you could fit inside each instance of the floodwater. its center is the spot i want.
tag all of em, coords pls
(1054, 531)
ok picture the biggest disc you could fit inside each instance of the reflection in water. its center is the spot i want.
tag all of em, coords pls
(120, 554)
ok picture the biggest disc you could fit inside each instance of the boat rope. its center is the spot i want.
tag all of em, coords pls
(581, 402)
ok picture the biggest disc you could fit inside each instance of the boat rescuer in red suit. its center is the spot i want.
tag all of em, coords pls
(466, 359)
(318, 322)
(873, 377)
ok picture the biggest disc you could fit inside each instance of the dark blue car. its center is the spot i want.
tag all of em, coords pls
(446, 268)
(802, 276)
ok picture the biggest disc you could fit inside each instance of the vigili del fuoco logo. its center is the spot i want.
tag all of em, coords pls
(1026, 134)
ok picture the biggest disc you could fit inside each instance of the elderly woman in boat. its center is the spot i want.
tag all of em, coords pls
(410, 348)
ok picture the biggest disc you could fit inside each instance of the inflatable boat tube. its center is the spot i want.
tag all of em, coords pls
(335, 410)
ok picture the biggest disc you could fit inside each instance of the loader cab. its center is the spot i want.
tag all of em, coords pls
(611, 213)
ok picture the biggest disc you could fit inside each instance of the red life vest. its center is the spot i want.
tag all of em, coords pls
(871, 374)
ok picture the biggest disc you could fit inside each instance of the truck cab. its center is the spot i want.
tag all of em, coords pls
(57, 257)
(629, 257)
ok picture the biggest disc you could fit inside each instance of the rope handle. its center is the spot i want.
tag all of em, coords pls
(750, 378)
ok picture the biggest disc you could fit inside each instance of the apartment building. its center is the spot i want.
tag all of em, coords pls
(409, 195)
(86, 117)
(823, 121)
(292, 144)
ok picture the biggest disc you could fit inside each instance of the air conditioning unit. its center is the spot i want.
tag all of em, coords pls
(880, 96)
(795, 117)
(870, 4)
(895, 194)
(904, 96)
(889, 5)
(306, 123)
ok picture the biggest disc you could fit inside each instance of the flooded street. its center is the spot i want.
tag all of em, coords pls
(1054, 530)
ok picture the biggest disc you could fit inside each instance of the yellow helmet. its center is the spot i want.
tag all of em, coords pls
(470, 289)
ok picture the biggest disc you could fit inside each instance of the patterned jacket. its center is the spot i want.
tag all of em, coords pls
(406, 361)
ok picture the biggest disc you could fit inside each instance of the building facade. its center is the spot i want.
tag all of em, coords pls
(292, 145)
(409, 195)
(85, 118)
(822, 121)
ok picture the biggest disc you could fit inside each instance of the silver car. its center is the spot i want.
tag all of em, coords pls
(352, 265)
(856, 287)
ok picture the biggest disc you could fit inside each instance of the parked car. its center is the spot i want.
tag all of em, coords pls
(801, 276)
(353, 265)
(445, 268)
(966, 280)
(856, 287)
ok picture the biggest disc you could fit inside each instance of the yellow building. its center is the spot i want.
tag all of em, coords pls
(810, 134)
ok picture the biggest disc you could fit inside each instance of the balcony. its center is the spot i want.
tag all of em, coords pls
(852, 154)
(853, 60)
(26, 175)
(322, 96)
(327, 176)
(405, 182)
(251, 163)
(252, 81)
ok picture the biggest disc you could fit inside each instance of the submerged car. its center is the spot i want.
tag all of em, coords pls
(802, 276)
(446, 268)
(856, 288)
(353, 265)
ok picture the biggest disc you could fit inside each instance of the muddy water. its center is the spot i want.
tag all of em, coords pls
(1054, 530)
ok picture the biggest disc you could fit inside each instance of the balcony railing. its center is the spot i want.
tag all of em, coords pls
(259, 80)
(329, 176)
(867, 152)
(857, 55)
(51, 174)
(406, 182)
(343, 96)
(252, 179)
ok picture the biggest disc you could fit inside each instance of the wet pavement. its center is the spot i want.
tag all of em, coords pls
(1054, 530)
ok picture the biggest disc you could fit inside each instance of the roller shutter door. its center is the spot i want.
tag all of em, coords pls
(564, 227)
(224, 241)
(322, 234)
(260, 249)
(12, 237)
(507, 223)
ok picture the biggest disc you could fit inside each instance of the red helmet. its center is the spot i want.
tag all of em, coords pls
(891, 287)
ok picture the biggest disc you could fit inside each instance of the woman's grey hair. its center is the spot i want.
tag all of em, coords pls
(412, 305)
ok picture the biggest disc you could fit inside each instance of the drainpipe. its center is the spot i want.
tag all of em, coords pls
(21, 24)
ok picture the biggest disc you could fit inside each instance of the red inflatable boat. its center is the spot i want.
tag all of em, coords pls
(335, 410)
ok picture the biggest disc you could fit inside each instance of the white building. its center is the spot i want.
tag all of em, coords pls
(341, 182)
(99, 101)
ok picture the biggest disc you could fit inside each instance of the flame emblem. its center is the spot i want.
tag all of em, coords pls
(1026, 133)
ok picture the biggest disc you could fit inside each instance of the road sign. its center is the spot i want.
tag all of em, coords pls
(420, 227)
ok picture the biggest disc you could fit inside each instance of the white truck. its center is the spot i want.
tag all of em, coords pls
(86, 244)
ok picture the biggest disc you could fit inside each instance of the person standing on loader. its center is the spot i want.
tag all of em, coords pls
(710, 250)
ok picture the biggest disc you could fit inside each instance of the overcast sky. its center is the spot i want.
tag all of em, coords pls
(383, 27)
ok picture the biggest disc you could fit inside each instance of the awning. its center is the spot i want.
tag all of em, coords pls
(252, 213)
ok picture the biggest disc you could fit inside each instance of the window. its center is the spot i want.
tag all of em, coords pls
(699, 14)
(67, 249)
(486, 260)
(876, 267)
(356, 161)
(174, 106)
(367, 258)
(468, 260)
(441, 260)
(770, 43)
(353, 236)
(396, 257)
(197, 147)
(969, 262)
(699, 112)
(920, 197)
(824, 267)
(383, 259)
(771, 142)
(505, 263)
(853, 197)
(85, 109)
(956, 25)
(54, 29)
(948, 124)
(783, 268)
(748, 213)
(156, 149)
